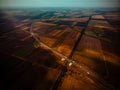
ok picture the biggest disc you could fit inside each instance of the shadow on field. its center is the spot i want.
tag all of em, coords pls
(43, 57)
(17, 74)
(114, 45)
(5, 23)
(113, 74)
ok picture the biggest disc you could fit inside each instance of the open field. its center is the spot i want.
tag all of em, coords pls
(87, 37)
(98, 50)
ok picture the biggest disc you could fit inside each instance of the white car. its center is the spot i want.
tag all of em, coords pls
(63, 59)
(70, 64)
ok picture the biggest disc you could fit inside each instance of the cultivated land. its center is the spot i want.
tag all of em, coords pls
(33, 42)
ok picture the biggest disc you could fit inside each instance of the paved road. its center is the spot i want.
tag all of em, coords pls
(57, 53)
(70, 61)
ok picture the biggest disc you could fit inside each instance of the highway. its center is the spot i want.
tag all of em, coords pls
(71, 62)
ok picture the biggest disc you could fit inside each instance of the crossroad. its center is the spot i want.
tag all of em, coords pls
(70, 61)
(63, 57)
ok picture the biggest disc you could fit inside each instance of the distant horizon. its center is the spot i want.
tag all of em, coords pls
(60, 4)
(64, 7)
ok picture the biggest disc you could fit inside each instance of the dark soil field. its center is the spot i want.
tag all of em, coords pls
(75, 49)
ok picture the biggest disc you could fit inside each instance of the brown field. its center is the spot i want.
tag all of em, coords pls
(89, 37)
(98, 50)
(28, 75)
(36, 78)
(68, 43)
(89, 53)
(99, 23)
(79, 82)
(57, 37)
(98, 17)
(112, 16)
(75, 19)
